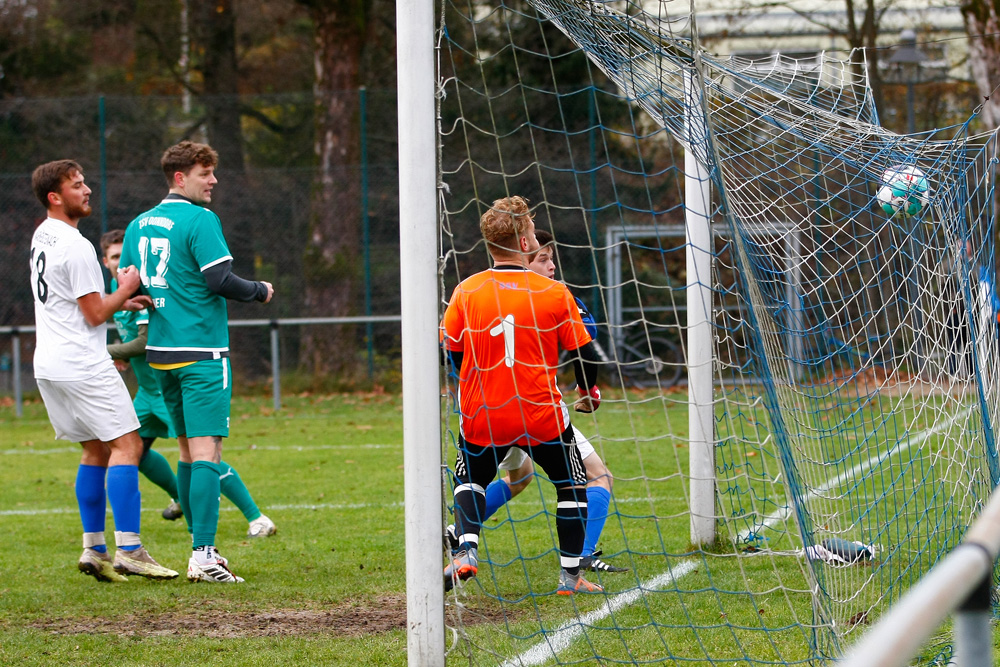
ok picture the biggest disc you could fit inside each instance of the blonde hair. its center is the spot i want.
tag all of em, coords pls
(504, 223)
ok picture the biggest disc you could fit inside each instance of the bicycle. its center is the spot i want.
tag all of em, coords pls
(649, 361)
(641, 362)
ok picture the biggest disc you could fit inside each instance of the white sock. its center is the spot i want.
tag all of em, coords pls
(203, 555)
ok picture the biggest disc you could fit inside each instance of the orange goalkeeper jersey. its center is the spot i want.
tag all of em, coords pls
(510, 323)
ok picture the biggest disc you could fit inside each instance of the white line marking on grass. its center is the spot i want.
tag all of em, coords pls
(58, 450)
(916, 439)
(318, 506)
(562, 637)
(333, 506)
(270, 448)
(304, 448)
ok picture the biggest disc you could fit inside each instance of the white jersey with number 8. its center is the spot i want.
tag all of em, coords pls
(64, 267)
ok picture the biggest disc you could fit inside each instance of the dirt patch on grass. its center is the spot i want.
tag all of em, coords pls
(349, 619)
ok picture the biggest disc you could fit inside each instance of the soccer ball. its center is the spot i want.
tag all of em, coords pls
(904, 190)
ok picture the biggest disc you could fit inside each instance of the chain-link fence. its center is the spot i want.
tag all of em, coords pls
(266, 205)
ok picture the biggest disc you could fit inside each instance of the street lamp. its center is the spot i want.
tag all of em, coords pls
(908, 60)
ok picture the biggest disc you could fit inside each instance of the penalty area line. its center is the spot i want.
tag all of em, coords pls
(253, 448)
(270, 508)
(229, 508)
(780, 515)
(564, 635)
(561, 638)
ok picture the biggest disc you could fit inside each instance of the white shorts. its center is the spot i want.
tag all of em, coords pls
(516, 456)
(586, 449)
(98, 408)
(514, 460)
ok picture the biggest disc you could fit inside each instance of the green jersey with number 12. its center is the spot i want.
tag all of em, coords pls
(171, 245)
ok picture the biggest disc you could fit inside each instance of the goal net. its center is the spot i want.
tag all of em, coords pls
(854, 326)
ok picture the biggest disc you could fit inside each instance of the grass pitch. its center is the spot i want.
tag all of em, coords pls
(329, 588)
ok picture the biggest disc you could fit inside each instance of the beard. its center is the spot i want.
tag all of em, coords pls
(78, 211)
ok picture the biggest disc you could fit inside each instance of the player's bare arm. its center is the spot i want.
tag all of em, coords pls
(98, 308)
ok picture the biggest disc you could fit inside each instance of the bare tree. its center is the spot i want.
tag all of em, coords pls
(332, 266)
(862, 36)
(214, 35)
(982, 24)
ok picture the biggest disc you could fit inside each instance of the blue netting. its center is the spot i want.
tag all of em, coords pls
(855, 393)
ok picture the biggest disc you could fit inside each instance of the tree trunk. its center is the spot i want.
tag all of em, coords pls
(215, 38)
(215, 35)
(332, 267)
(982, 24)
(865, 37)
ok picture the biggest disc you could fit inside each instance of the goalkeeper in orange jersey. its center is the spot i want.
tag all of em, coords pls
(503, 330)
(519, 469)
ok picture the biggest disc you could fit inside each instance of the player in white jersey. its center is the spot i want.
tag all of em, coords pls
(86, 399)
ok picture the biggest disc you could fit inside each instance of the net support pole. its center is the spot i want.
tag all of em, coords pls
(418, 224)
(698, 225)
(973, 636)
(15, 360)
(275, 366)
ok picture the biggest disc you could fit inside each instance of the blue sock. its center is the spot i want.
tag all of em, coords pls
(92, 500)
(123, 494)
(598, 500)
(497, 494)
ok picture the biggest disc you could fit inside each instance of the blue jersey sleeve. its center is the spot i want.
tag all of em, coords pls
(588, 320)
(986, 279)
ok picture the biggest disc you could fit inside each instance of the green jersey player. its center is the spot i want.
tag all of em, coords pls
(185, 265)
(154, 419)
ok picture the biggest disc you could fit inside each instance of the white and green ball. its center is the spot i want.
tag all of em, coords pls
(905, 190)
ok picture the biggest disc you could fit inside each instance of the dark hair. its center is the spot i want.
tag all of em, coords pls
(185, 155)
(108, 239)
(50, 176)
(544, 239)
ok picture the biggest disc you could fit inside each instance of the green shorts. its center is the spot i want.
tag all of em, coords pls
(154, 418)
(197, 397)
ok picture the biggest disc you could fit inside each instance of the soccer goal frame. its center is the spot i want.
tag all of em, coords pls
(418, 291)
(418, 223)
(418, 273)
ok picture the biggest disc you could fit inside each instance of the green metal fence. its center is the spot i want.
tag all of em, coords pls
(264, 203)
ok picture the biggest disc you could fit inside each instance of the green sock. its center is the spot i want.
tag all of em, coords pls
(184, 489)
(234, 489)
(157, 470)
(204, 503)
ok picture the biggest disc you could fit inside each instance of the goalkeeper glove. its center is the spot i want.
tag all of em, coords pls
(589, 400)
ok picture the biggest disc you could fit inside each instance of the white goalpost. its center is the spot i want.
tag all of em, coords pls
(419, 298)
(701, 399)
